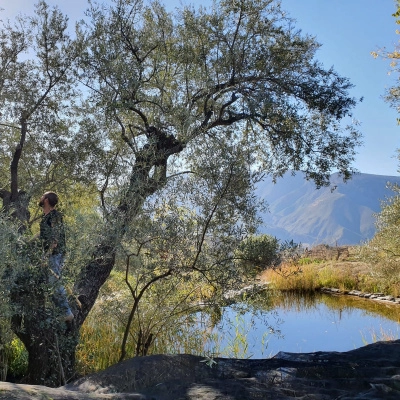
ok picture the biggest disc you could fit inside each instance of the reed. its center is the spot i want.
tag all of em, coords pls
(310, 276)
(291, 277)
(382, 335)
(100, 345)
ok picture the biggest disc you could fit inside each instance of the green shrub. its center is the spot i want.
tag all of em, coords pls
(18, 359)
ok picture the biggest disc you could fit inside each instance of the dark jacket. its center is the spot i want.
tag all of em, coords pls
(52, 231)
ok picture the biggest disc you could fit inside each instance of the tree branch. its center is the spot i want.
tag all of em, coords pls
(136, 299)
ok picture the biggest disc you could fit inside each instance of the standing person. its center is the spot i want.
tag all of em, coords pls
(52, 237)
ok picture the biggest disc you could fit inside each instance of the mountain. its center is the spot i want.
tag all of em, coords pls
(345, 215)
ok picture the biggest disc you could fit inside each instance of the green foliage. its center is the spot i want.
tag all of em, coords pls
(305, 261)
(257, 253)
(12, 262)
(393, 93)
(38, 90)
(18, 359)
(237, 345)
(84, 227)
(383, 251)
(240, 72)
(167, 313)
(290, 252)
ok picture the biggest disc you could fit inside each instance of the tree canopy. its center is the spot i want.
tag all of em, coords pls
(173, 117)
(393, 93)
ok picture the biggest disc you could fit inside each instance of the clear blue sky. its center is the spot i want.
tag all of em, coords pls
(348, 31)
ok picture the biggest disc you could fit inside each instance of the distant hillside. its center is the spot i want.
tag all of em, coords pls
(300, 212)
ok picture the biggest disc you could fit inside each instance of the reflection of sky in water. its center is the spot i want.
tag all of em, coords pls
(318, 328)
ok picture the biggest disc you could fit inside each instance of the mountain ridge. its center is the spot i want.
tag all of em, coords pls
(341, 214)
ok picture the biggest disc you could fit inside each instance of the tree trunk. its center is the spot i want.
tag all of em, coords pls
(51, 356)
(95, 273)
(49, 341)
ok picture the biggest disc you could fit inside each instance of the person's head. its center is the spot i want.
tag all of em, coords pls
(51, 197)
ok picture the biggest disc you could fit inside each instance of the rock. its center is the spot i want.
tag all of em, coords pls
(332, 290)
(376, 295)
(385, 298)
(245, 291)
(370, 372)
(355, 293)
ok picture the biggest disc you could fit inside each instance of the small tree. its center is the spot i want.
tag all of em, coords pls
(257, 253)
(187, 236)
(383, 250)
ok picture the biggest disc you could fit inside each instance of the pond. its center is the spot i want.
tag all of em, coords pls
(301, 324)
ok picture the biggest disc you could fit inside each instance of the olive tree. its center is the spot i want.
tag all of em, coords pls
(217, 97)
(383, 251)
(176, 86)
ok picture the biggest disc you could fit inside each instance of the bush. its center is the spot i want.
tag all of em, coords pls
(257, 253)
(18, 360)
(382, 252)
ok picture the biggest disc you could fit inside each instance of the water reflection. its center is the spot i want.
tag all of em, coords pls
(300, 323)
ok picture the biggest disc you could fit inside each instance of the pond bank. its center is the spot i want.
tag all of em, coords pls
(249, 290)
(371, 296)
(343, 276)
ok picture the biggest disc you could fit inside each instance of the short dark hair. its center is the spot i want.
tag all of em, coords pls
(52, 197)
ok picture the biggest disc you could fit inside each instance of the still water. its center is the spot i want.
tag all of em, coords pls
(301, 324)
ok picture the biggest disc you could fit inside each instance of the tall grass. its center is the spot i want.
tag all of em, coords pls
(100, 345)
(313, 275)
(381, 336)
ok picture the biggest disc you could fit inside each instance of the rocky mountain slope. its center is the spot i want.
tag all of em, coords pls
(343, 216)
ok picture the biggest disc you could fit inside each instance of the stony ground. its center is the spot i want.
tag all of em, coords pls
(371, 372)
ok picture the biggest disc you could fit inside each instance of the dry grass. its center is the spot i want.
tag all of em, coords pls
(340, 268)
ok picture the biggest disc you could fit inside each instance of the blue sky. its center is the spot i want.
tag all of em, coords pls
(348, 31)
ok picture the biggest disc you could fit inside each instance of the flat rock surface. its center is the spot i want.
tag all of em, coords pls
(371, 372)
